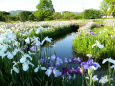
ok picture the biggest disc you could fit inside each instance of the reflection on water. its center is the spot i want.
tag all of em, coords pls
(61, 47)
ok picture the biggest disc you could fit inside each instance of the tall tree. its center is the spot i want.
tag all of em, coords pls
(50, 5)
(108, 7)
(104, 7)
(24, 15)
(45, 10)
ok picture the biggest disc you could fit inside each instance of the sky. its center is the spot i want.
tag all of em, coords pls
(59, 5)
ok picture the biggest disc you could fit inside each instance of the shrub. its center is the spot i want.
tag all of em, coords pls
(68, 15)
(4, 16)
(32, 17)
(92, 14)
(57, 15)
(24, 15)
(79, 16)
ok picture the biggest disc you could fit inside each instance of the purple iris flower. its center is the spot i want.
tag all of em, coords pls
(43, 60)
(69, 60)
(58, 61)
(86, 35)
(33, 48)
(92, 33)
(95, 65)
(55, 60)
(53, 70)
(90, 61)
(85, 65)
(77, 60)
(66, 71)
(88, 64)
(65, 60)
(25, 48)
(78, 70)
(73, 60)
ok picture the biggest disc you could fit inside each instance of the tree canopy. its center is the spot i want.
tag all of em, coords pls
(108, 7)
(4, 16)
(92, 14)
(24, 15)
(45, 10)
(68, 15)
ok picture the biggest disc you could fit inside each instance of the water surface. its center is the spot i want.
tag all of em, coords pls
(61, 47)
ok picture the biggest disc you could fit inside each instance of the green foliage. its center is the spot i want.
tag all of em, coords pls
(45, 5)
(92, 14)
(32, 17)
(54, 33)
(31, 78)
(57, 15)
(42, 15)
(13, 18)
(108, 7)
(79, 16)
(109, 1)
(24, 15)
(99, 22)
(105, 35)
(111, 11)
(68, 15)
(4, 16)
(45, 10)
(104, 7)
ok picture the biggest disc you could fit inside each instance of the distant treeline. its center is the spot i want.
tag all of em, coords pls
(32, 16)
(46, 11)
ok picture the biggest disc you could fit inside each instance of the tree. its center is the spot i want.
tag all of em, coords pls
(108, 7)
(79, 16)
(109, 1)
(57, 15)
(50, 6)
(45, 10)
(104, 7)
(32, 17)
(92, 14)
(24, 15)
(4, 16)
(13, 18)
(68, 15)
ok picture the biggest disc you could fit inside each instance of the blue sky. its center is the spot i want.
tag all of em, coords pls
(59, 5)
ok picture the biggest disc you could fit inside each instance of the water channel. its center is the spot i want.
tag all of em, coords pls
(61, 47)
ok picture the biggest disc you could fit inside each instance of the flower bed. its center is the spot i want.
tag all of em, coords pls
(99, 36)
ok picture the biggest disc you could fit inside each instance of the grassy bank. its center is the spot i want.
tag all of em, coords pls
(104, 35)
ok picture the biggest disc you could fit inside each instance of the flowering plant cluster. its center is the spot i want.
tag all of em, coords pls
(67, 67)
(98, 41)
(26, 28)
(21, 63)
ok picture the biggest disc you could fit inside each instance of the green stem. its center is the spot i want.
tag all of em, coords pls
(109, 72)
(63, 82)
